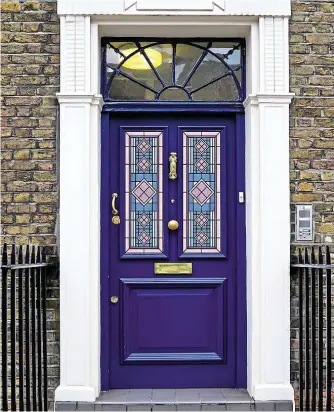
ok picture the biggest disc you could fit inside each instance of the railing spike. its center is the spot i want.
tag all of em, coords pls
(13, 255)
(20, 261)
(4, 254)
(27, 255)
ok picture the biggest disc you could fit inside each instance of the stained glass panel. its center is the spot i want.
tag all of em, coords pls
(143, 192)
(201, 192)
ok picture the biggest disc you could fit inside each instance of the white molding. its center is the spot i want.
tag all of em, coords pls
(274, 54)
(267, 192)
(194, 7)
(75, 54)
(174, 5)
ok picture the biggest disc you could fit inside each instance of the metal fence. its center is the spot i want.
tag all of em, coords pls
(312, 278)
(23, 329)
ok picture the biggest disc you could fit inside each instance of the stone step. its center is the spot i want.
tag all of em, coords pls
(206, 399)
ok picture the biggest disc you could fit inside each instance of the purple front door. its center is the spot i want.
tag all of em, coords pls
(185, 327)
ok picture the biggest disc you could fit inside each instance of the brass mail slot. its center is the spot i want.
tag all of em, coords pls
(173, 268)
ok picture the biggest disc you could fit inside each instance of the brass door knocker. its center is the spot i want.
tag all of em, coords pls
(172, 166)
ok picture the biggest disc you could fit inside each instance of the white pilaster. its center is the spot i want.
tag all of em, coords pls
(80, 108)
(268, 221)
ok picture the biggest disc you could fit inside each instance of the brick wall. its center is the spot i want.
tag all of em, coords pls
(311, 129)
(29, 81)
(312, 112)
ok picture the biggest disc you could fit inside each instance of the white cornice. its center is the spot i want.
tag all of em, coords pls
(80, 98)
(165, 7)
(272, 98)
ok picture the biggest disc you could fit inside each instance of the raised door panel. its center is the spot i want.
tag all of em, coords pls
(178, 320)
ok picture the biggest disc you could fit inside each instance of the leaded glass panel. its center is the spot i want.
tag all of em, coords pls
(201, 192)
(143, 192)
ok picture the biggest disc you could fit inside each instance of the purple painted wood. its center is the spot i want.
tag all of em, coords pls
(173, 331)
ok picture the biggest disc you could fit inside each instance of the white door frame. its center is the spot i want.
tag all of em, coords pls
(265, 28)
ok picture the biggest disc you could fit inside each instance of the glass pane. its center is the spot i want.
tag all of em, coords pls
(124, 89)
(165, 68)
(221, 49)
(174, 94)
(212, 67)
(136, 67)
(223, 89)
(186, 58)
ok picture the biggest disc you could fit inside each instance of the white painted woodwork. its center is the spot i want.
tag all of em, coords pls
(176, 7)
(267, 179)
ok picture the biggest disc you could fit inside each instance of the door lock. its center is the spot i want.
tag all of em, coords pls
(116, 220)
(114, 299)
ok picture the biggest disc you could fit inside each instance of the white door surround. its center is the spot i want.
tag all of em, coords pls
(264, 24)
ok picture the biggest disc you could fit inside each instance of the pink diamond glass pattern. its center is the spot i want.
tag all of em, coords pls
(201, 219)
(201, 164)
(201, 192)
(201, 146)
(144, 237)
(201, 237)
(144, 146)
(143, 192)
(144, 164)
(144, 220)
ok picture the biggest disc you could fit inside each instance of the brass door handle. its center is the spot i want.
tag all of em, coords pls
(173, 225)
(113, 201)
(115, 219)
(172, 166)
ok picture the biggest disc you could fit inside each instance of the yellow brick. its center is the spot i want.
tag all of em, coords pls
(305, 154)
(21, 154)
(10, 6)
(7, 219)
(22, 218)
(21, 197)
(305, 187)
(28, 230)
(306, 197)
(329, 175)
(21, 240)
(6, 197)
(13, 230)
(31, 5)
(44, 197)
(309, 175)
(326, 228)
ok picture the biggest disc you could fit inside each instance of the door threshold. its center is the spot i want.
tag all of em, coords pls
(206, 399)
(174, 396)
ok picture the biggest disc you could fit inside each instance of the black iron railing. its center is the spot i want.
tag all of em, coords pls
(23, 329)
(312, 279)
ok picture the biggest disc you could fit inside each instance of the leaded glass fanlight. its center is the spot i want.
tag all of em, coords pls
(173, 70)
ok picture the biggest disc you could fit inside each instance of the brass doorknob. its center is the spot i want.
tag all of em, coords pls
(173, 225)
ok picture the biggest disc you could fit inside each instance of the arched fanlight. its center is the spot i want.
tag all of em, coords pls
(139, 62)
(162, 70)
